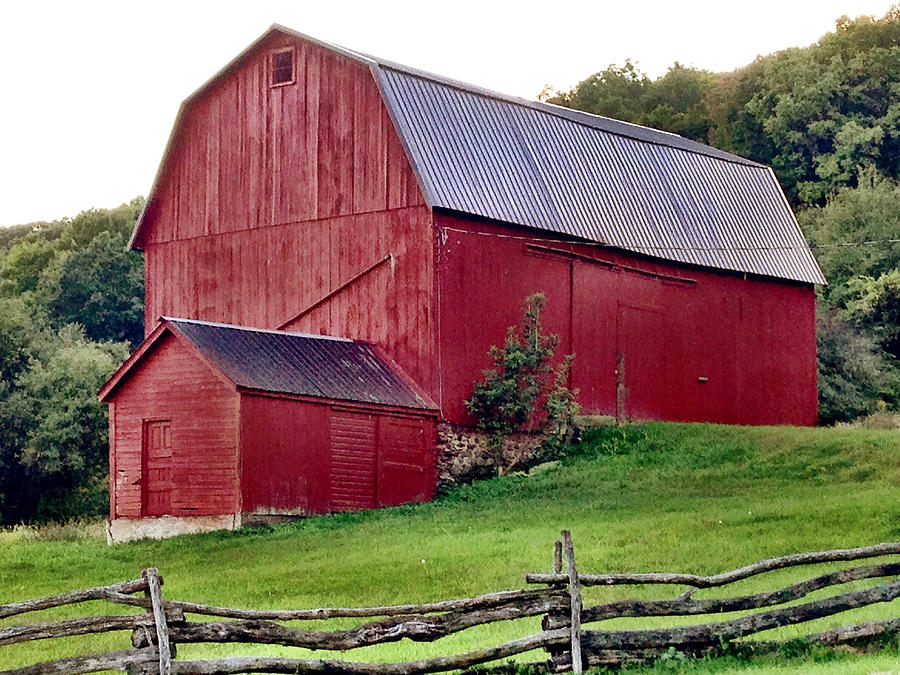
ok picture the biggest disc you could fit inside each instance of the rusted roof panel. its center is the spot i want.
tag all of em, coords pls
(585, 176)
(296, 363)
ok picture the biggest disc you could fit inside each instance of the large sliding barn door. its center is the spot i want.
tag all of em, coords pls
(156, 465)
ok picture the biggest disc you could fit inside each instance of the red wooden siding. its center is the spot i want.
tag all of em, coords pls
(406, 464)
(753, 339)
(248, 155)
(331, 458)
(174, 384)
(273, 197)
(380, 460)
(354, 461)
(284, 455)
(264, 277)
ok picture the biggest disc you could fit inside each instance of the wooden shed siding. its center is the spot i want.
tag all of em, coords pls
(264, 277)
(754, 339)
(174, 383)
(285, 456)
(247, 155)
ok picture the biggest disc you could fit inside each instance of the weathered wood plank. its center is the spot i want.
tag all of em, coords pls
(723, 631)
(574, 602)
(479, 602)
(685, 606)
(433, 665)
(857, 635)
(70, 627)
(154, 582)
(94, 663)
(415, 628)
(111, 592)
(698, 581)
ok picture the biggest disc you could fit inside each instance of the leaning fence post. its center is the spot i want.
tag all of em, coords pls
(574, 600)
(154, 582)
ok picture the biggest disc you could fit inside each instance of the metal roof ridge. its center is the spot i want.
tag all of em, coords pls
(598, 122)
(249, 329)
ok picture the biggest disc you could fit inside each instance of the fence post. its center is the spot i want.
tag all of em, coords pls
(575, 601)
(154, 582)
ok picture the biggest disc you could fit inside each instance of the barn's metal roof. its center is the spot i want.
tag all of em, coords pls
(618, 184)
(585, 176)
(296, 363)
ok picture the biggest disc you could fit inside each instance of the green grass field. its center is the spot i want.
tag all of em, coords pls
(654, 497)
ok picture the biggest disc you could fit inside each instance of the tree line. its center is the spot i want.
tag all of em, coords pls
(826, 117)
(71, 310)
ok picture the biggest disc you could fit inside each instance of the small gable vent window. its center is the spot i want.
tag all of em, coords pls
(282, 67)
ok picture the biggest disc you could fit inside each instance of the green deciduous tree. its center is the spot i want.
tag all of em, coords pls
(855, 378)
(58, 450)
(101, 286)
(875, 305)
(843, 228)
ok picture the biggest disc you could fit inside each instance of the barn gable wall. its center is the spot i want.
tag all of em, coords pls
(174, 384)
(246, 154)
(753, 339)
(272, 198)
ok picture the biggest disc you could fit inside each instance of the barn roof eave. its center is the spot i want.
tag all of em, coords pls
(117, 378)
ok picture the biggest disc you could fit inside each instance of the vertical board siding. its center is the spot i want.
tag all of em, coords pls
(174, 384)
(752, 339)
(247, 155)
(263, 278)
(292, 436)
(274, 196)
(354, 457)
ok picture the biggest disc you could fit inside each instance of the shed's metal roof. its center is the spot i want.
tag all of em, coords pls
(296, 363)
(582, 175)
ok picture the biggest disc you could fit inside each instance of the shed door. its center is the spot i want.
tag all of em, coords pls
(403, 462)
(354, 449)
(156, 465)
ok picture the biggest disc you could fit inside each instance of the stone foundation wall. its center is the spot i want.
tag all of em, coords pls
(463, 454)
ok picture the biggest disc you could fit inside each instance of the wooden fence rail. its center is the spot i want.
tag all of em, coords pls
(571, 646)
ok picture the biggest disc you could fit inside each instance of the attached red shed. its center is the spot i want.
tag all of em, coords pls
(214, 426)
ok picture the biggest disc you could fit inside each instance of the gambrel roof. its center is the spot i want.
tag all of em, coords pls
(585, 176)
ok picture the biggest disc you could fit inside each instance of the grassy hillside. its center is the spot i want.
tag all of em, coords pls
(656, 497)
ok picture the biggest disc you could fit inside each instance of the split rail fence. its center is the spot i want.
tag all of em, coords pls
(558, 599)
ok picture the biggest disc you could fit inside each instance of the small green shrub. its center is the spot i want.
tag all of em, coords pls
(523, 392)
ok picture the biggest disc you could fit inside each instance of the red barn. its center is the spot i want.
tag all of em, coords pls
(308, 188)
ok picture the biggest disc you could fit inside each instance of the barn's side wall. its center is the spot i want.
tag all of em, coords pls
(174, 384)
(753, 340)
(272, 198)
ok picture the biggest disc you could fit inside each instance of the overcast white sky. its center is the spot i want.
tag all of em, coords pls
(89, 89)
